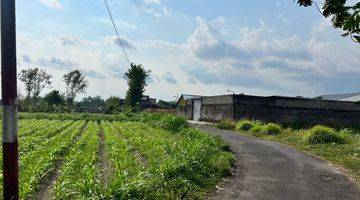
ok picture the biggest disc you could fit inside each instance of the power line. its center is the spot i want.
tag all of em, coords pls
(317, 77)
(116, 31)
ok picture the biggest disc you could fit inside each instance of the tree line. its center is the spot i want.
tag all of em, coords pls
(36, 80)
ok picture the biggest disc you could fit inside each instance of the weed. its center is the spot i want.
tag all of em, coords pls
(322, 135)
(272, 129)
(226, 124)
(244, 125)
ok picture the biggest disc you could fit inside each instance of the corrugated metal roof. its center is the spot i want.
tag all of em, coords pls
(189, 96)
(342, 97)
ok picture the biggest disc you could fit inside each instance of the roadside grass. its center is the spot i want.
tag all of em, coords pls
(343, 151)
(226, 124)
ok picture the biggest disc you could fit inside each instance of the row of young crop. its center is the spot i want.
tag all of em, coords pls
(147, 160)
(171, 165)
(79, 172)
(44, 142)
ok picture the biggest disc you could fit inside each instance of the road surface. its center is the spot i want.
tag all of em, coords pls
(267, 170)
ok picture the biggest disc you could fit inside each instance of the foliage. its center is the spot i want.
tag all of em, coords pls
(257, 127)
(272, 129)
(79, 179)
(35, 80)
(92, 102)
(54, 98)
(322, 135)
(113, 105)
(167, 165)
(244, 125)
(226, 124)
(75, 83)
(136, 77)
(343, 16)
(173, 123)
(146, 161)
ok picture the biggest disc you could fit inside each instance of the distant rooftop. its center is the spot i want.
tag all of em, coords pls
(342, 97)
(189, 96)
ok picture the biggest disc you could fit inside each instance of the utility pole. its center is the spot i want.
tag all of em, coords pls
(9, 100)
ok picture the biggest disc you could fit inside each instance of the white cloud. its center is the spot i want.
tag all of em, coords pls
(114, 40)
(52, 4)
(152, 1)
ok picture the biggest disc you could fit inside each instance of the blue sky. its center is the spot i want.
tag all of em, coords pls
(199, 47)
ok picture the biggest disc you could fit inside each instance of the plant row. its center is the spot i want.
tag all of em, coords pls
(178, 164)
(79, 172)
(40, 151)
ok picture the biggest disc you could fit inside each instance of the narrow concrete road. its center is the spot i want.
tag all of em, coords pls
(271, 171)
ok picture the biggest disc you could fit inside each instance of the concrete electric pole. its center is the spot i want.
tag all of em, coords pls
(9, 100)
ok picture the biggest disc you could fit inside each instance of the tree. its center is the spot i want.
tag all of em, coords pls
(345, 17)
(113, 104)
(92, 102)
(54, 98)
(35, 81)
(136, 77)
(75, 83)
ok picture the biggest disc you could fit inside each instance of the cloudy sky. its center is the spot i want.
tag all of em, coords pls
(191, 46)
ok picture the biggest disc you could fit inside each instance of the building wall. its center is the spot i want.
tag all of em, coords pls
(296, 110)
(276, 109)
(217, 108)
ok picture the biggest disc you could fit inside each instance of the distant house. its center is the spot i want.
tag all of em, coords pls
(354, 97)
(148, 103)
(165, 105)
(185, 104)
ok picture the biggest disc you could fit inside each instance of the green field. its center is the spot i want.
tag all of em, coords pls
(117, 157)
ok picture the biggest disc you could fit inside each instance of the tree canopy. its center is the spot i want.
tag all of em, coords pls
(136, 77)
(35, 81)
(343, 16)
(113, 104)
(54, 98)
(75, 83)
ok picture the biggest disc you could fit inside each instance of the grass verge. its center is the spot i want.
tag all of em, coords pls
(340, 147)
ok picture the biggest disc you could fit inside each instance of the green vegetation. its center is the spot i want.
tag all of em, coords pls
(322, 135)
(271, 129)
(244, 125)
(136, 77)
(125, 156)
(78, 179)
(226, 124)
(341, 147)
(344, 15)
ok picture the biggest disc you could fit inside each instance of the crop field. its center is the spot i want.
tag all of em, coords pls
(142, 157)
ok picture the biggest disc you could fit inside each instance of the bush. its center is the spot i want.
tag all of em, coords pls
(257, 127)
(173, 123)
(272, 129)
(244, 125)
(322, 135)
(345, 134)
(226, 124)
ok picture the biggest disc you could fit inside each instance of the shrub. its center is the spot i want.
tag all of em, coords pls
(257, 127)
(244, 125)
(226, 124)
(173, 123)
(322, 135)
(272, 129)
(345, 134)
